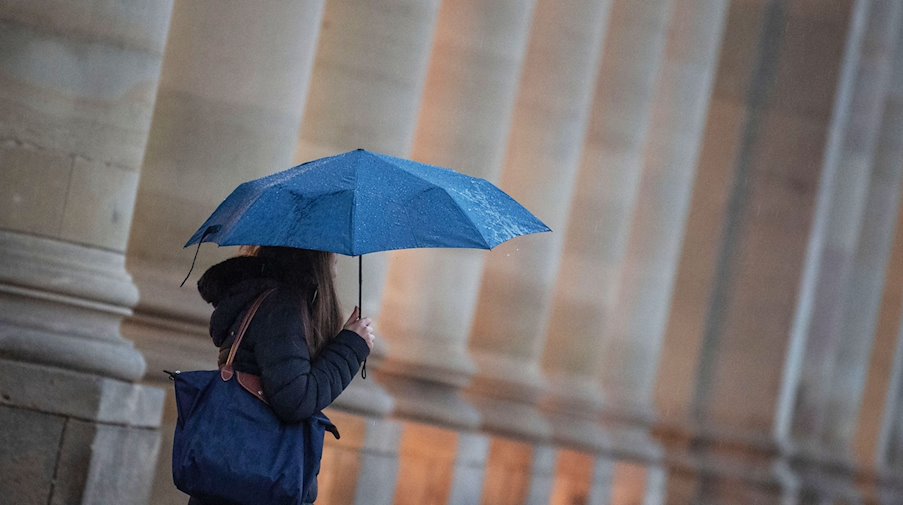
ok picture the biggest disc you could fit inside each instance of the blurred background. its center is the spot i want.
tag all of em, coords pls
(714, 319)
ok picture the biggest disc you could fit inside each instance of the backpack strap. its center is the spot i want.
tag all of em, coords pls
(226, 372)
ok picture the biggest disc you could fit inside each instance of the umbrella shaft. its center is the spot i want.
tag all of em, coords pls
(360, 284)
(360, 302)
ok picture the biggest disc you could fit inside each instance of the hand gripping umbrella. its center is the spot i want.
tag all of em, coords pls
(361, 202)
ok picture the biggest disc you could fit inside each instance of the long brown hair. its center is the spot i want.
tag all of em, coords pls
(320, 311)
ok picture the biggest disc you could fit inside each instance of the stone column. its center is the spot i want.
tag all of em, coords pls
(636, 322)
(228, 110)
(622, 252)
(578, 347)
(79, 81)
(769, 128)
(543, 157)
(464, 122)
(844, 278)
(465, 117)
(369, 75)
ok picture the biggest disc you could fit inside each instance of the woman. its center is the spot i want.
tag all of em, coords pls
(296, 342)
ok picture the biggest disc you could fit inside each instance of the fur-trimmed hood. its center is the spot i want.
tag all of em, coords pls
(232, 285)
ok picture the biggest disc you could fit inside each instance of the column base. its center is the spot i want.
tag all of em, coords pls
(573, 406)
(709, 467)
(824, 478)
(578, 432)
(426, 386)
(511, 418)
(61, 305)
(365, 397)
(506, 392)
(72, 438)
(640, 475)
(635, 443)
(430, 402)
(630, 428)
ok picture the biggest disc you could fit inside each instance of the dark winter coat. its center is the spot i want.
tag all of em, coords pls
(274, 346)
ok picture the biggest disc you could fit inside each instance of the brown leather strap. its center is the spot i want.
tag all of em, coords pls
(252, 384)
(226, 370)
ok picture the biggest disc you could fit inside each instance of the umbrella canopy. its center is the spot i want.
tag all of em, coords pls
(361, 202)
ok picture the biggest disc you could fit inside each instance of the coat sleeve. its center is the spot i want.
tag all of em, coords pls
(296, 386)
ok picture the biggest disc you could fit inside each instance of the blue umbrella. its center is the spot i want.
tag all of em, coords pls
(361, 202)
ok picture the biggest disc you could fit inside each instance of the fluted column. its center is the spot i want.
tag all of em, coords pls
(648, 264)
(369, 75)
(228, 110)
(543, 157)
(871, 274)
(543, 152)
(464, 119)
(78, 86)
(620, 260)
(768, 130)
(888, 459)
(579, 348)
(464, 123)
(841, 292)
(368, 80)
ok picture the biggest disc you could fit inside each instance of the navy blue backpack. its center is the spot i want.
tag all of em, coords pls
(230, 447)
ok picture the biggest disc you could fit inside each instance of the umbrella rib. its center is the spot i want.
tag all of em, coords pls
(457, 203)
(457, 207)
(248, 207)
(411, 227)
(352, 225)
(467, 216)
(449, 195)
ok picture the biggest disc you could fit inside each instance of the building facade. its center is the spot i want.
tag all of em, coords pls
(715, 318)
